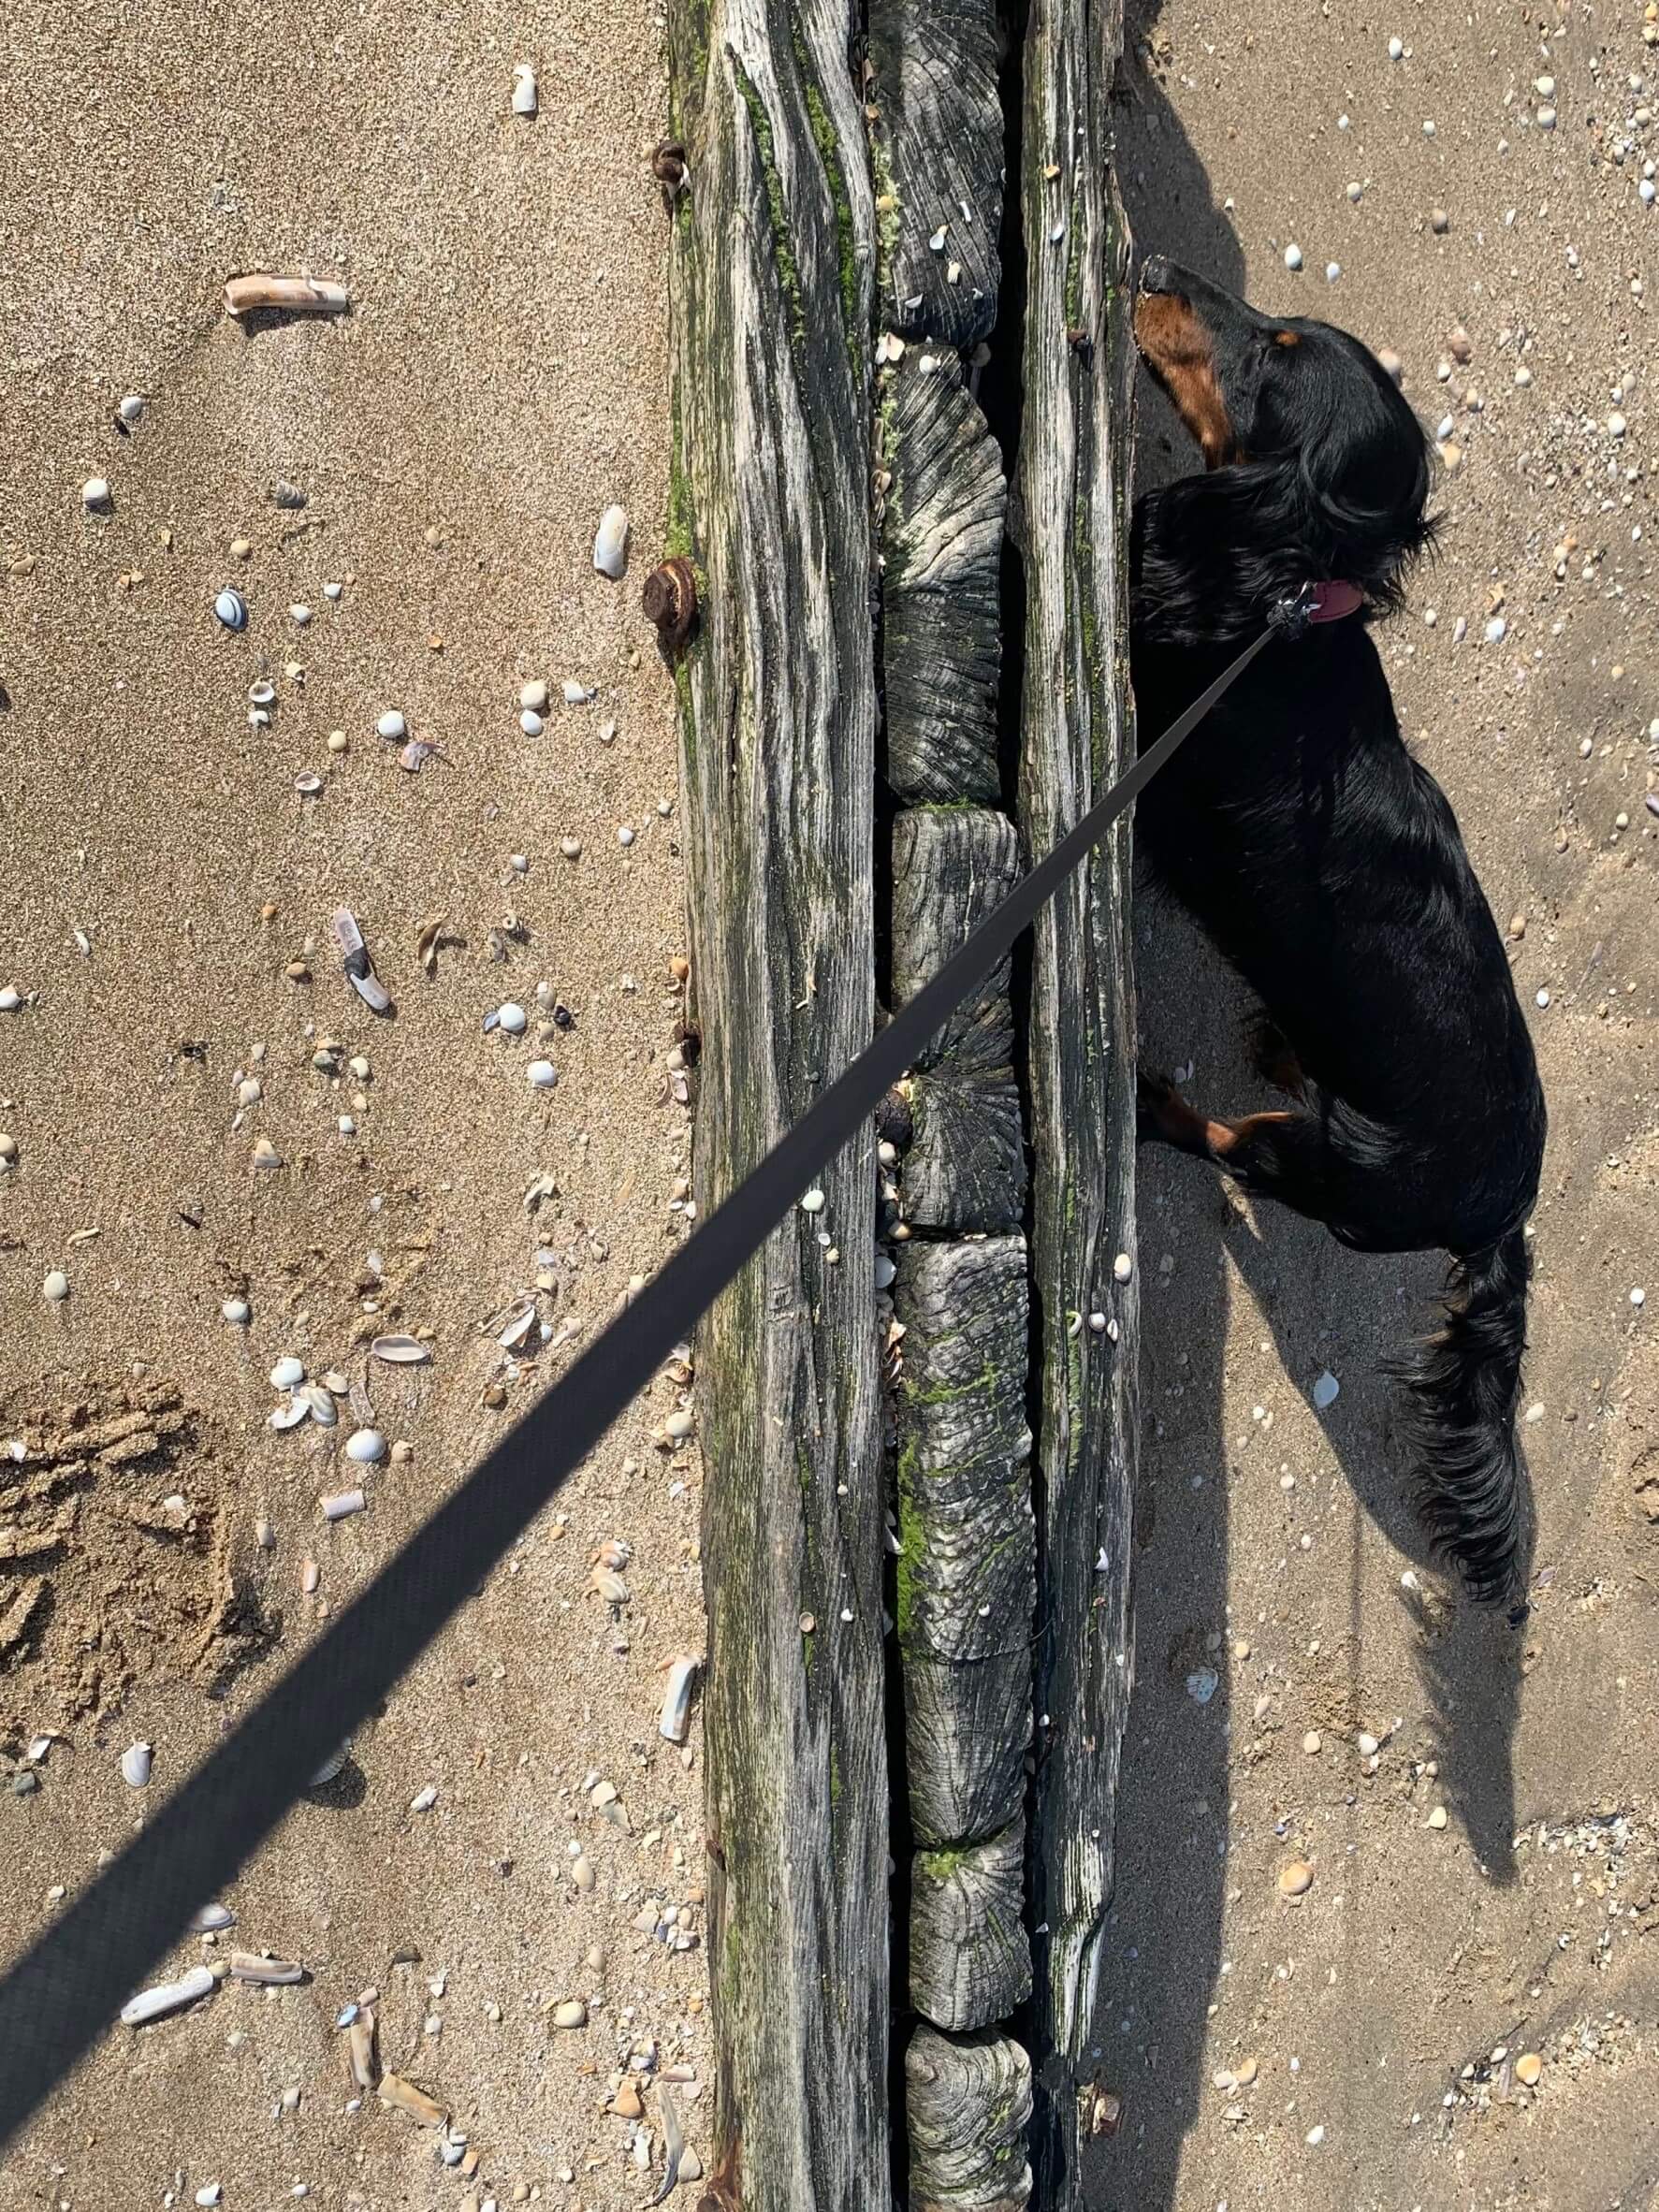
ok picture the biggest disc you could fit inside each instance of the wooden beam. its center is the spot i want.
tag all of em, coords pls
(771, 276)
(1073, 481)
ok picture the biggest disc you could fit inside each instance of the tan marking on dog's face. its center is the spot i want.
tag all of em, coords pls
(1286, 338)
(1176, 348)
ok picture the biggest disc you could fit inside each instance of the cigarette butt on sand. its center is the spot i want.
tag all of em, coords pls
(294, 295)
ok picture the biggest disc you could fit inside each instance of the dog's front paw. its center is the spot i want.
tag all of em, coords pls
(1154, 1094)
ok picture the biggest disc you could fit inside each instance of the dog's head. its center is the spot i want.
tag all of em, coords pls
(1324, 458)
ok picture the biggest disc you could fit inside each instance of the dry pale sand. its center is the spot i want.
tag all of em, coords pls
(1387, 2009)
(501, 377)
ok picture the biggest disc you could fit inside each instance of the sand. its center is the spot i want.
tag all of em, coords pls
(500, 378)
(1525, 1924)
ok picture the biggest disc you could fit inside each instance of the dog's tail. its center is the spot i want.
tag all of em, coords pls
(1462, 1386)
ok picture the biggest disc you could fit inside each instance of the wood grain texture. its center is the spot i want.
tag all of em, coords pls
(967, 1559)
(965, 1168)
(1074, 498)
(969, 2102)
(942, 521)
(971, 1951)
(937, 142)
(772, 273)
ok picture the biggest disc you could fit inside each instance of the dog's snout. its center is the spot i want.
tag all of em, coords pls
(1155, 273)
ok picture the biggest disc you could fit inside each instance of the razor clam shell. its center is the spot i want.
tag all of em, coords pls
(247, 1966)
(676, 1700)
(394, 2089)
(167, 1997)
(365, 2058)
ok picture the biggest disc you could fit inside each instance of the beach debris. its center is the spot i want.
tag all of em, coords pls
(1292, 256)
(231, 609)
(517, 1326)
(509, 1017)
(253, 1966)
(400, 1352)
(533, 696)
(425, 1798)
(669, 600)
(331, 1766)
(365, 1447)
(135, 1765)
(359, 968)
(530, 722)
(320, 1403)
(167, 1997)
(288, 1374)
(289, 294)
(577, 695)
(290, 1413)
(95, 494)
(210, 1919)
(129, 408)
(365, 2059)
(1529, 2069)
(1326, 1390)
(56, 1287)
(1202, 1684)
(524, 89)
(395, 2090)
(341, 1504)
(542, 1075)
(426, 943)
(391, 726)
(670, 168)
(676, 1721)
(572, 2013)
(1296, 1879)
(610, 543)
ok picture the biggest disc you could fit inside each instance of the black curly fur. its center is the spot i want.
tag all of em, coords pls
(1325, 863)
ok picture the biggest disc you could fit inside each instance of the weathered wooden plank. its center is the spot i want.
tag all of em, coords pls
(966, 1558)
(944, 507)
(969, 2103)
(971, 1951)
(936, 137)
(965, 1168)
(771, 278)
(1074, 480)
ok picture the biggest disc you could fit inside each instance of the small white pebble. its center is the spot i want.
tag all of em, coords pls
(530, 722)
(1543, 997)
(1315, 2136)
(1292, 256)
(391, 724)
(1546, 118)
(56, 1287)
(1638, 1298)
(541, 1075)
(1396, 50)
(1496, 629)
(1122, 1267)
(1615, 426)
(1428, 129)
(238, 1312)
(624, 836)
(1332, 270)
(1356, 190)
(95, 493)
(424, 1799)
(813, 1201)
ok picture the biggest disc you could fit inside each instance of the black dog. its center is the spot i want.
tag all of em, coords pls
(1326, 864)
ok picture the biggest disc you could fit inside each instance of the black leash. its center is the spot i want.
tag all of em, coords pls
(68, 1986)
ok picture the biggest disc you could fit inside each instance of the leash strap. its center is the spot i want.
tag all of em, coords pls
(66, 1988)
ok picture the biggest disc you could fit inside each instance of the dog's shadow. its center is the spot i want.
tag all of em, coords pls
(1323, 1307)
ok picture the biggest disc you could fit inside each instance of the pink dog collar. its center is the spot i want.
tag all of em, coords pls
(1333, 601)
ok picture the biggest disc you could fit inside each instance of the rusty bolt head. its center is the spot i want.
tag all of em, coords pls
(670, 600)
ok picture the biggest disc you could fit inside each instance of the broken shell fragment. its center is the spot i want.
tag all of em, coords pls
(290, 1414)
(292, 295)
(610, 543)
(524, 89)
(248, 1966)
(577, 695)
(394, 2089)
(400, 1352)
(359, 968)
(676, 1700)
(167, 1997)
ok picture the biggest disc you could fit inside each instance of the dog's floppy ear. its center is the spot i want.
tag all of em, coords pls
(1364, 489)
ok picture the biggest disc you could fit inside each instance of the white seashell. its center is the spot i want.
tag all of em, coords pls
(511, 1018)
(167, 1996)
(610, 543)
(812, 1203)
(249, 1966)
(95, 493)
(208, 1919)
(231, 609)
(676, 1700)
(261, 694)
(530, 722)
(209, 2194)
(131, 407)
(299, 614)
(543, 1075)
(424, 1799)
(135, 1765)
(679, 1424)
(341, 1504)
(291, 1415)
(10, 999)
(287, 1372)
(56, 1287)
(322, 1409)
(308, 785)
(236, 1311)
(524, 89)
(330, 1767)
(577, 695)
(391, 724)
(885, 1270)
(400, 1352)
(332, 590)
(364, 1447)
(518, 1329)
